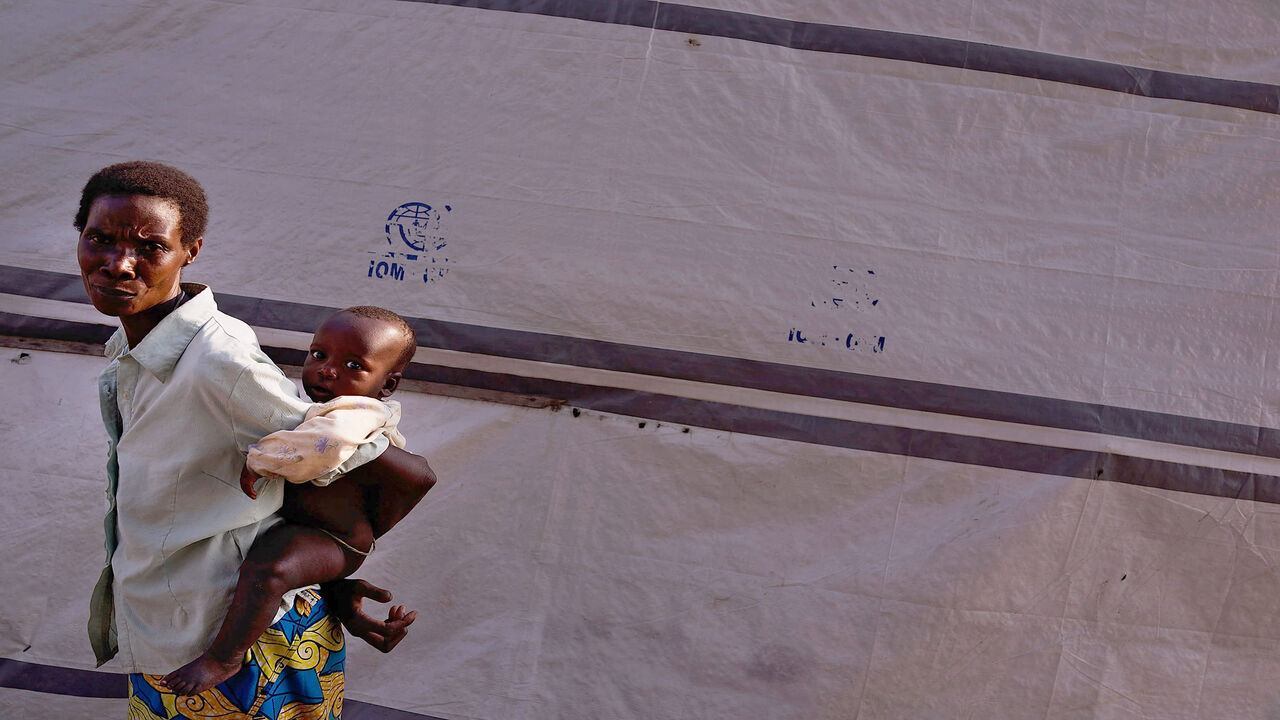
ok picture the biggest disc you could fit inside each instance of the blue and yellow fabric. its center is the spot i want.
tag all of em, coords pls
(293, 672)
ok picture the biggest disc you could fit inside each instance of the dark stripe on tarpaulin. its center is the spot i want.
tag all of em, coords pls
(61, 681)
(45, 329)
(55, 680)
(925, 49)
(853, 435)
(734, 372)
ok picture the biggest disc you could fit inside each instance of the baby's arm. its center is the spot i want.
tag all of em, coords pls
(328, 436)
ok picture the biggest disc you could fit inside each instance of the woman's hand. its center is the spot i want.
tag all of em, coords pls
(345, 598)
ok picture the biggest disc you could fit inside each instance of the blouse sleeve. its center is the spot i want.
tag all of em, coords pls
(261, 402)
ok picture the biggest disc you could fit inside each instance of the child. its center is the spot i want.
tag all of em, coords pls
(356, 354)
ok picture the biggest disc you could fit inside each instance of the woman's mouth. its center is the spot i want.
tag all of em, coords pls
(114, 291)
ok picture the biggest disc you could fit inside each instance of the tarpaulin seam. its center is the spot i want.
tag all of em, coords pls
(849, 434)
(803, 381)
(907, 47)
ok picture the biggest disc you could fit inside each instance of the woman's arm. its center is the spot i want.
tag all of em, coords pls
(395, 481)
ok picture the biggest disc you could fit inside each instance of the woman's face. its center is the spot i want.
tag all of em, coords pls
(131, 253)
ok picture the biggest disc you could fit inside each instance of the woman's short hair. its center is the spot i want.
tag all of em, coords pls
(144, 177)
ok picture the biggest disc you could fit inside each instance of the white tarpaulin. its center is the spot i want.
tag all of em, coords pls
(778, 359)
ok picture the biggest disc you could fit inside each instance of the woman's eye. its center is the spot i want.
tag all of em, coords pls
(353, 365)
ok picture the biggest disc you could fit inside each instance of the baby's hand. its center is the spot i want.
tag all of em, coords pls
(247, 479)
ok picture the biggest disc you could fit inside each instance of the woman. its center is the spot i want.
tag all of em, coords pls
(186, 391)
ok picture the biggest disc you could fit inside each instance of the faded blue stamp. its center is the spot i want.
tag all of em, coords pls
(415, 245)
(843, 313)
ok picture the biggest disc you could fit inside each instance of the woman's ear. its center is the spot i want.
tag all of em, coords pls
(193, 250)
(390, 384)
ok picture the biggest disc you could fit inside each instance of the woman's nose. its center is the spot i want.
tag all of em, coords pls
(120, 263)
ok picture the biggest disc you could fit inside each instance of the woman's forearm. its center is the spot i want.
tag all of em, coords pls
(398, 479)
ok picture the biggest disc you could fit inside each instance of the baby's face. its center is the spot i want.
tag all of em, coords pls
(351, 355)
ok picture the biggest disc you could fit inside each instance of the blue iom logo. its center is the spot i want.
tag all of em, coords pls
(415, 246)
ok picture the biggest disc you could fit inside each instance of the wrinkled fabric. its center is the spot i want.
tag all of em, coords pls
(293, 672)
(329, 435)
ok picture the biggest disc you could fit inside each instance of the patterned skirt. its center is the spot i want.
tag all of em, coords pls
(293, 672)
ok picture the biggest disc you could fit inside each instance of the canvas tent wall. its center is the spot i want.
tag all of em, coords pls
(803, 360)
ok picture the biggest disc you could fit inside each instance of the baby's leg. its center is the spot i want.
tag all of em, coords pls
(285, 557)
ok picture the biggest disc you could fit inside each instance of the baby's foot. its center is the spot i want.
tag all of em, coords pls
(201, 674)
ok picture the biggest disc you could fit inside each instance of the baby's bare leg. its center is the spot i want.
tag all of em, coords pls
(285, 557)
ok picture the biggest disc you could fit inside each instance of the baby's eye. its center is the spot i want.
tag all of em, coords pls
(317, 354)
(353, 365)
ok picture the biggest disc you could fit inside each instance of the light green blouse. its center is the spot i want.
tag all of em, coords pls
(181, 410)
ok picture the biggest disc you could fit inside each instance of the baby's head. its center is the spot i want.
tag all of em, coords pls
(358, 351)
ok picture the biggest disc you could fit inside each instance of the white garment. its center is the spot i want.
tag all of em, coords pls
(330, 433)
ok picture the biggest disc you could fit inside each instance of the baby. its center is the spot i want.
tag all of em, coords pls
(356, 354)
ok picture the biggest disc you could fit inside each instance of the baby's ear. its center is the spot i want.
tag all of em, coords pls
(389, 385)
